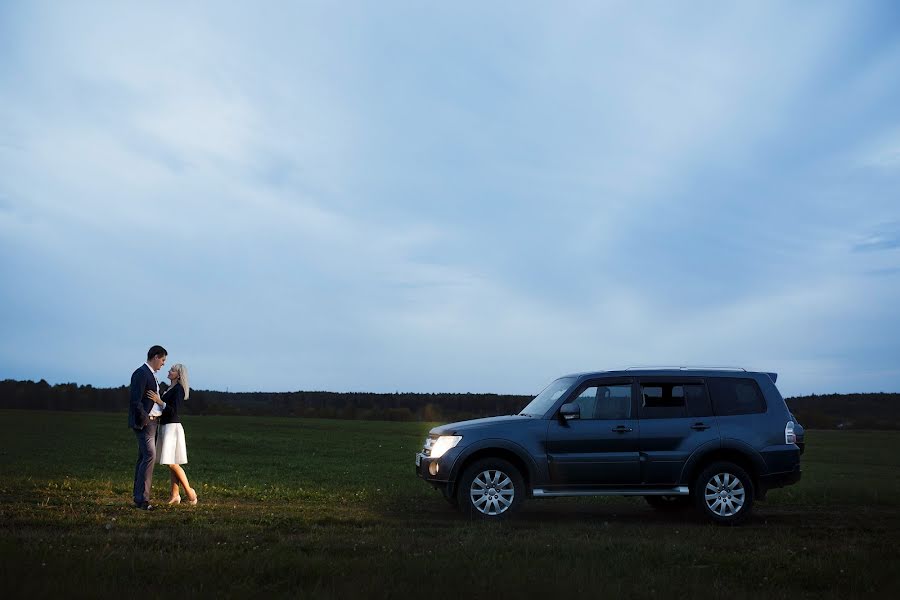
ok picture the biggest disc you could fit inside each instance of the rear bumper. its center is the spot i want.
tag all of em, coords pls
(782, 458)
(777, 480)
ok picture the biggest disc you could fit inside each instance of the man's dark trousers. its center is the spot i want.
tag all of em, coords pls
(143, 472)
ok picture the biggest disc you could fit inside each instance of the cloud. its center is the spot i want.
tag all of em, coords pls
(882, 152)
(381, 198)
(888, 158)
(887, 239)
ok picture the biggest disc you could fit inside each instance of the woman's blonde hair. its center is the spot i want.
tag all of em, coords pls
(183, 378)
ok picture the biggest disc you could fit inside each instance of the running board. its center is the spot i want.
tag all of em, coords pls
(675, 491)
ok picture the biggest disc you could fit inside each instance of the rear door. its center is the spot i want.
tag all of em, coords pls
(675, 420)
(601, 446)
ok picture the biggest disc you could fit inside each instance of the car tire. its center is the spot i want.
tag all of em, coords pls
(668, 503)
(490, 489)
(451, 498)
(723, 493)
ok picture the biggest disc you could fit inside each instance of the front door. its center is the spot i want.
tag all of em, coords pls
(600, 446)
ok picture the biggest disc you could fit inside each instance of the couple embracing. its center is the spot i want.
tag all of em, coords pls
(156, 424)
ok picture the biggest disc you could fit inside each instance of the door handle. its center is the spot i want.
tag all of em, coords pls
(699, 426)
(621, 429)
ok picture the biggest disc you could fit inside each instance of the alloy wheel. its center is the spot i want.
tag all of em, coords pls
(724, 494)
(492, 492)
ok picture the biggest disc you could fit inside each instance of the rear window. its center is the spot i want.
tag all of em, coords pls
(663, 395)
(733, 396)
(673, 399)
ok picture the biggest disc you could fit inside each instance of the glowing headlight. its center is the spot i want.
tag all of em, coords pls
(444, 443)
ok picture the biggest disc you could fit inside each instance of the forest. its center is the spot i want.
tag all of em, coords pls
(831, 411)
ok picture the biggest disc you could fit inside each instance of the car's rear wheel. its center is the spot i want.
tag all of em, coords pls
(723, 493)
(668, 503)
(490, 489)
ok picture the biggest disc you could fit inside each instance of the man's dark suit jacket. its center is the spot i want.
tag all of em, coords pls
(140, 405)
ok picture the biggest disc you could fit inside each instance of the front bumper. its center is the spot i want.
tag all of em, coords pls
(433, 470)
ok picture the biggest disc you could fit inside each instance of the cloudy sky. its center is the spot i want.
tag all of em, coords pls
(432, 196)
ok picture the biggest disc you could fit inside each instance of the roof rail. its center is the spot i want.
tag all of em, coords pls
(683, 368)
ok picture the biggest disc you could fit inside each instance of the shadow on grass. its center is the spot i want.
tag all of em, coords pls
(635, 512)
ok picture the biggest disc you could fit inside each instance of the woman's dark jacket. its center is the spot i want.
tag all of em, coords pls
(173, 398)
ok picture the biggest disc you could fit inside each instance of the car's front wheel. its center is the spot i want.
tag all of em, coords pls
(723, 493)
(490, 488)
(449, 497)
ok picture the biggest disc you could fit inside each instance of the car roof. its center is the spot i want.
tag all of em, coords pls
(675, 371)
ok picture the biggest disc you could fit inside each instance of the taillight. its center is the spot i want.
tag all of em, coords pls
(789, 436)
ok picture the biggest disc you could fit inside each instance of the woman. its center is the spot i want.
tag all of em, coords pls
(170, 448)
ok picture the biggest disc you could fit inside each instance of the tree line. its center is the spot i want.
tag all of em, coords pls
(847, 411)
(831, 411)
(330, 405)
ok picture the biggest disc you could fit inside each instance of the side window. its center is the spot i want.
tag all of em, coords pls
(697, 400)
(663, 400)
(734, 396)
(587, 402)
(605, 402)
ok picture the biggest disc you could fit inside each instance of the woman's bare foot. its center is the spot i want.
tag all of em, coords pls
(192, 496)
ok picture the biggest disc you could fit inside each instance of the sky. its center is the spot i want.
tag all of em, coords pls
(450, 197)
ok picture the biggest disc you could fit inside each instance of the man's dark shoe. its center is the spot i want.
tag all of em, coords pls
(144, 506)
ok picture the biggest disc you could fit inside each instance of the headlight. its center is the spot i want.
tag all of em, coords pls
(444, 443)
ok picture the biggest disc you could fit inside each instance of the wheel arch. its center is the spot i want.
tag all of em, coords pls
(508, 451)
(733, 451)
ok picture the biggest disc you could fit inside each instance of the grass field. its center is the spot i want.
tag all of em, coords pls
(325, 509)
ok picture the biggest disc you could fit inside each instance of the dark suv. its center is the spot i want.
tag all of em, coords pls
(718, 438)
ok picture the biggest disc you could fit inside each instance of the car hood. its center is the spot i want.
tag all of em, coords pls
(461, 426)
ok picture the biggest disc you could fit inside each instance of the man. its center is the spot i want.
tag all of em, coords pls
(143, 418)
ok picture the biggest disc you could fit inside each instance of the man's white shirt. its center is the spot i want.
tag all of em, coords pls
(156, 411)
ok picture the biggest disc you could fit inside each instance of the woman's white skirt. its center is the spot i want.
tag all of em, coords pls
(170, 446)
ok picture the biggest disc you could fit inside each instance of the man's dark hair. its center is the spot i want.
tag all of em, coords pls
(156, 351)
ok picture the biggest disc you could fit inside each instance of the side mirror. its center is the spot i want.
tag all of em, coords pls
(570, 411)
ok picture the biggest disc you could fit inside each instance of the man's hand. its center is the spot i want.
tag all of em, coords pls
(155, 397)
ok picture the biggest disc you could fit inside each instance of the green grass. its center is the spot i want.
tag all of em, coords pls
(325, 509)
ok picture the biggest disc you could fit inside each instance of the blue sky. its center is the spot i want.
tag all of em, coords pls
(456, 197)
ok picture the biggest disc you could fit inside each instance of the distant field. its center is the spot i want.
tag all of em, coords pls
(328, 508)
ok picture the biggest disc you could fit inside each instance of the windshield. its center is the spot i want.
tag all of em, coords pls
(543, 401)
